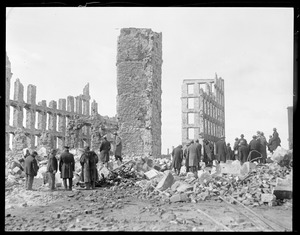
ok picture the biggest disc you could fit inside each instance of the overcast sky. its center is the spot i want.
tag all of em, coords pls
(60, 50)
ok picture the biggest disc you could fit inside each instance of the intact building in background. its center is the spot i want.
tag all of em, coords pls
(203, 112)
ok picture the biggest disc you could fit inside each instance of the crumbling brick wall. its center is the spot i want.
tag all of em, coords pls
(139, 61)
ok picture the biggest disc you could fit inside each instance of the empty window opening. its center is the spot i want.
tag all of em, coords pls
(47, 121)
(25, 114)
(11, 115)
(191, 103)
(191, 133)
(191, 118)
(11, 139)
(202, 86)
(190, 89)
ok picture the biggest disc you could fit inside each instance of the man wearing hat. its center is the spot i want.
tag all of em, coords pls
(262, 142)
(275, 141)
(243, 149)
(118, 147)
(31, 169)
(254, 146)
(104, 151)
(88, 161)
(229, 154)
(52, 168)
(236, 148)
(221, 150)
(66, 167)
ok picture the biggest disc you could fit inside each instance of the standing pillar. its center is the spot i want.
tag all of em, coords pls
(139, 61)
(61, 124)
(7, 99)
(52, 120)
(18, 109)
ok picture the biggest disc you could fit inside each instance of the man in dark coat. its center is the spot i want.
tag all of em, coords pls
(236, 148)
(199, 146)
(88, 161)
(66, 167)
(208, 153)
(275, 141)
(193, 157)
(31, 169)
(104, 151)
(243, 149)
(52, 168)
(254, 148)
(221, 150)
(118, 147)
(262, 147)
(177, 155)
(185, 156)
(229, 152)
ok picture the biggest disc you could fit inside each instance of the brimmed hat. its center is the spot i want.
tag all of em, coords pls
(87, 148)
(104, 137)
(254, 136)
(242, 135)
(236, 138)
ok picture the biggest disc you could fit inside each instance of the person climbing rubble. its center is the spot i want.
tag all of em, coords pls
(31, 169)
(67, 167)
(52, 168)
(177, 155)
(104, 151)
(88, 161)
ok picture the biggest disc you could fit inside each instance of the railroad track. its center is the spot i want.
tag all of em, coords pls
(259, 222)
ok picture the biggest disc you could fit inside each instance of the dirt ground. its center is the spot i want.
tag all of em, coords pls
(115, 209)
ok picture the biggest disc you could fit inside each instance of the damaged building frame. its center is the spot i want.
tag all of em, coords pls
(203, 109)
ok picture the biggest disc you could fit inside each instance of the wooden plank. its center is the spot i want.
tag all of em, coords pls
(216, 222)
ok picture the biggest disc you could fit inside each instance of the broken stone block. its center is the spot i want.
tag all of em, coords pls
(190, 175)
(283, 188)
(166, 181)
(183, 187)
(149, 162)
(175, 185)
(247, 167)
(151, 174)
(180, 197)
(200, 173)
(157, 167)
(204, 178)
(104, 171)
(17, 170)
(267, 197)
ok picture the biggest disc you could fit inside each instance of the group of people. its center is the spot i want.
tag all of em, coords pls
(221, 152)
(66, 164)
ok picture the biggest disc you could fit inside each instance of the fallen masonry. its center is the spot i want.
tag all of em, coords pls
(251, 184)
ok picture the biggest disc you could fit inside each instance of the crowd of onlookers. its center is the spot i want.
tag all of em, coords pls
(193, 154)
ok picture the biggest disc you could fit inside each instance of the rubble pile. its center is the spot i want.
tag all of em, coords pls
(251, 184)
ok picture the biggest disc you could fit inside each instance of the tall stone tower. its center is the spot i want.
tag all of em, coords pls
(139, 61)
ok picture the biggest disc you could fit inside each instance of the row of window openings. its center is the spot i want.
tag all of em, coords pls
(203, 87)
(191, 102)
(11, 137)
(191, 133)
(11, 119)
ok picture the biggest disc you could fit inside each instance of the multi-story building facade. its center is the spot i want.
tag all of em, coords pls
(203, 109)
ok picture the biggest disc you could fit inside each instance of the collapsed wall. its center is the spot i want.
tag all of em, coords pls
(139, 61)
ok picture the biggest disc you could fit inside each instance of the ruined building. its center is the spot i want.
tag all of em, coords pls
(70, 123)
(203, 112)
(139, 61)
